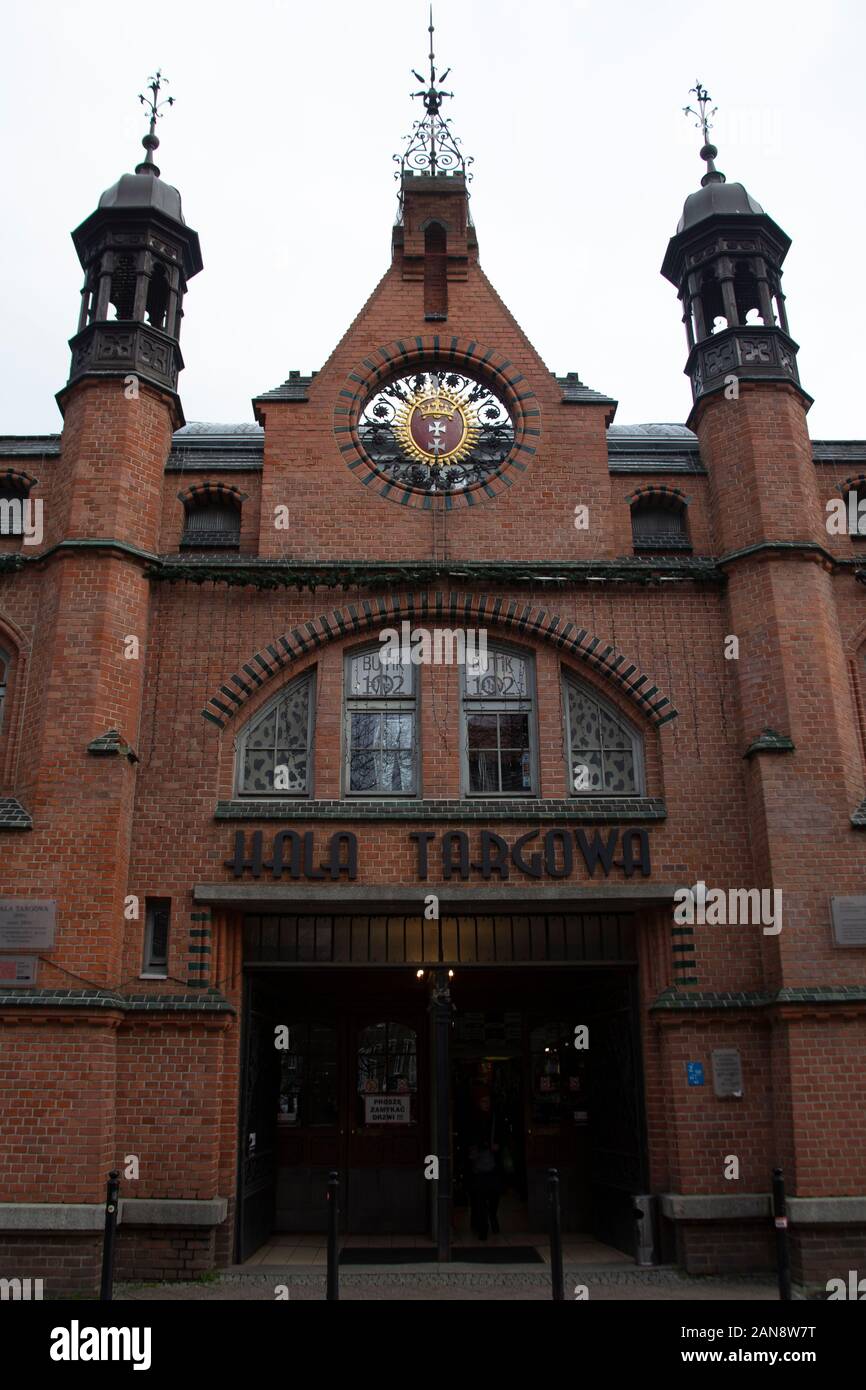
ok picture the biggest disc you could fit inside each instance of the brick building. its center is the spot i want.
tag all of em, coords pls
(273, 906)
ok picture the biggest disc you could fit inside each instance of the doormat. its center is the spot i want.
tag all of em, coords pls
(387, 1255)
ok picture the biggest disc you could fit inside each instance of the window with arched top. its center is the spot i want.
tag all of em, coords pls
(275, 751)
(499, 743)
(211, 521)
(659, 523)
(381, 726)
(387, 1074)
(605, 754)
(4, 676)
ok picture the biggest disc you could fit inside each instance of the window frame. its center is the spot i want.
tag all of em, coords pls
(241, 742)
(211, 538)
(400, 704)
(5, 665)
(661, 541)
(572, 679)
(150, 969)
(467, 702)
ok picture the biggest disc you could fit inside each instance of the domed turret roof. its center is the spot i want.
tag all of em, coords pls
(144, 189)
(717, 198)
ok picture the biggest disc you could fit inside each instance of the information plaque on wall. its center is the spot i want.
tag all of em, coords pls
(849, 921)
(27, 924)
(727, 1072)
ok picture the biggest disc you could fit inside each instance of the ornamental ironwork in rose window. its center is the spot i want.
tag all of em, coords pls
(436, 431)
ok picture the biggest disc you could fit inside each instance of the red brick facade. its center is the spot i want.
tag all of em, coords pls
(99, 1063)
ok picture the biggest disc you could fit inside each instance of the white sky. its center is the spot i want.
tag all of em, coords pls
(280, 141)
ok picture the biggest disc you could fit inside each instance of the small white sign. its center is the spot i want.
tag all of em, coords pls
(386, 1110)
(727, 1072)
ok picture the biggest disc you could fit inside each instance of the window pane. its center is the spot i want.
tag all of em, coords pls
(369, 677)
(514, 731)
(619, 772)
(397, 731)
(264, 733)
(483, 772)
(365, 730)
(290, 771)
(308, 1084)
(516, 771)
(586, 770)
(293, 718)
(383, 771)
(258, 770)
(481, 729)
(503, 675)
(613, 734)
(584, 721)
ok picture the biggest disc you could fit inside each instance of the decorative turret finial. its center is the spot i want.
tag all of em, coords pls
(154, 105)
(709, 151)
(431, 148)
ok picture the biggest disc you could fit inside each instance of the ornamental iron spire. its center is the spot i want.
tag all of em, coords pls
(431, 148)
(154, 106)
(704, 124)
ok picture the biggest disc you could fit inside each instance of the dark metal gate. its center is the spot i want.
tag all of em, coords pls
(257, 1158)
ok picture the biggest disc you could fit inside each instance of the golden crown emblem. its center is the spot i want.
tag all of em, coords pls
(436, 402)
(438, 407)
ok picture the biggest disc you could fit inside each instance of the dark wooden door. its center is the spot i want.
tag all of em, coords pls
(311, 1124)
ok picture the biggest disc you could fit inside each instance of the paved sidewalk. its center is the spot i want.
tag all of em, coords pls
(471, 1283)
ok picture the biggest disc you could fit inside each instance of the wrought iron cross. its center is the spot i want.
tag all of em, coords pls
(703, 99)
(153, 102)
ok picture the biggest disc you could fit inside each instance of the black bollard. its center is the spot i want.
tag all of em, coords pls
(333, 1289)
(106, 1288)
(780, 1221)
(556, 1279)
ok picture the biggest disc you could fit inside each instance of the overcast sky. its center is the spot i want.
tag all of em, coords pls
(286, 118)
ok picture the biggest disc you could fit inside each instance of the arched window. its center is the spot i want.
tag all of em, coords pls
(122, 295)
(387, 1071)
(4, 676)
(381, 726)
(659, 523)
(499, 746)
(605, 754)
(275, 751)
(211, 520)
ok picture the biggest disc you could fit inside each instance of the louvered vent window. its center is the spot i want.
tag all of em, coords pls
(212, 524)
(659, 526)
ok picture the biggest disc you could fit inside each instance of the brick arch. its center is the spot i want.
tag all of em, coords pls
(13, 477)
(660, 492)
(216, 492)
(452, 610)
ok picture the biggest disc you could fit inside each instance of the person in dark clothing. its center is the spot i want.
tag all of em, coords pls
(485, 1184)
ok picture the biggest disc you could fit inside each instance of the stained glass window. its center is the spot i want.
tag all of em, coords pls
(381, 742)
(604, 752)
(276, 749)
(498, 727)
